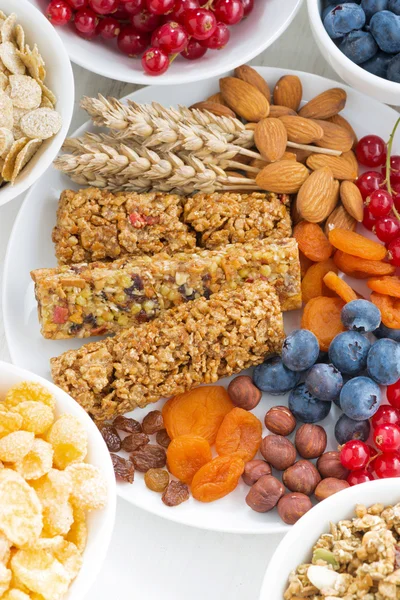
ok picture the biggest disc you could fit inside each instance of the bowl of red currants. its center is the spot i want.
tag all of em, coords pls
(177, 41)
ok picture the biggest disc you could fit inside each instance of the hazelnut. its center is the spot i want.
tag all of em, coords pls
(265, 493)
(291, 507)
(329, 486)
(310, 440)
(254, 469)
(301, 477)
(280, 420)
(329, 465)
(244, 393)
(278, 452)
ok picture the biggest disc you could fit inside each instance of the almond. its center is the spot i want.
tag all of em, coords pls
(215, 108)
(288, 92)
(339, 120)
(250, 75)
(335, 137)
(294, 214)
(258, 163)
(244, 99)
(270, 138)
(352, 160)
(341, 219)
(340, 166)
(250, 126)
(289, 156)
(301, 155)
(325, 105)
(217, 98)
(302, 131)
(317, 196)
(352, 200)
(282, 177)
(275, 110)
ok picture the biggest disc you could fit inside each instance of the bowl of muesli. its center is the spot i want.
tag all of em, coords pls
(36, 96)
(348, 546)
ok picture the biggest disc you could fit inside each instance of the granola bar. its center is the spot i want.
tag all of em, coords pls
(198, 342)
(228, 218)
(96, 225)
(97, 298)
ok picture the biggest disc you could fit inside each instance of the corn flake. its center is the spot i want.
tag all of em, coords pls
(57, 519)
(69, 440)
(11, 157)
(54, 488)
(41, 572)
(25, 92)
(36, 416)
(5, 548)
(8, 54)
(6, 140)
(29, 390)
(15, 594)
(6, 111)
(89, 490)
(27, 152)
(5, 578)
(14, 446)
(9, 422)
(78, 531)
(7, 29)
(37, 462)
(42, 123)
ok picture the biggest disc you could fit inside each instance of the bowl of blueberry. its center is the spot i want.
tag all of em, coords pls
(361, 41)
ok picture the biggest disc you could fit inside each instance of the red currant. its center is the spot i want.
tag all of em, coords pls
(387, 465)
(155, 61)
(387, 229)
(108, 28)
(370, 181)
(193, 50)
(359, 476)
(145, 21)
(160, 7)
(380, 203)
(394, 169)
(369, 220)
(229, 12)
(396, 195)
(86, 22)
(371, 151)
(121, 13)
(354, 455)
(372, 451)
(77, 4)
(385, 414)
(218, 39)
(132, 42)
(104, 7)
(171, 38)
(394, 252)
(200, 23)
(133, 7)
(59, 12)
(387, 437)
(393, 394)
(248, 6)
(181, 6)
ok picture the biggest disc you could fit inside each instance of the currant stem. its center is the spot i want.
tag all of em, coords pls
(388, 167)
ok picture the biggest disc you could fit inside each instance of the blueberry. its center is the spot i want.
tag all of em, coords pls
(344, 18)
(358, 46)
(348, 352)
(378, 64)
(273, 377)
(306, 407)
(386, 332)
(324, 382)
(300, 350)
(347, 429)
(326, 10)
(385, 27)
(361, 315)
(360, 398)
(383, 361)
(393, 71)
(394, 6)
(370, 7)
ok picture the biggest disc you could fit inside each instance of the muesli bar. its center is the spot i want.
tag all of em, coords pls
(198, 342)
(93, 225)
(97, 298)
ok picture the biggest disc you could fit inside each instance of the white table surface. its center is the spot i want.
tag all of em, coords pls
(149, 558)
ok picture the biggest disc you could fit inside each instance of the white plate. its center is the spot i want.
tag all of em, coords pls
(268, 20)
(30, 247)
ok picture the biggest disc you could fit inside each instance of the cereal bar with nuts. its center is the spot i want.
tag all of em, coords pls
(97, 298)
(96, 225)
(198, 342)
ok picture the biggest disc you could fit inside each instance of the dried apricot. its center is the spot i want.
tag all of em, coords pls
(240, 434)
(312, 241)
(389, 286)
(361, 268)
(305, 263)
(338, 285)
(217, 478)
(198, 412)
(355, 244)
(313, 281)
(321, 315)
(390, 309)
(186, 454)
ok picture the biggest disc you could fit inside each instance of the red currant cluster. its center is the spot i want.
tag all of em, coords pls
(157, 29)
(364, 461)
(380, 190)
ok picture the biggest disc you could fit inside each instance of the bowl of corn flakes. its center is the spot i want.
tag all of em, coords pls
(36, 96)
(57, 491)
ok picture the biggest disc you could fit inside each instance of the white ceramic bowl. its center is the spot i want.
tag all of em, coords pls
(354, 75)
(295, 548)
(59, 79)
(265, 24)
(100, 522)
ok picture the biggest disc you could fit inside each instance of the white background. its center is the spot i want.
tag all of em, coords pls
(149, 558)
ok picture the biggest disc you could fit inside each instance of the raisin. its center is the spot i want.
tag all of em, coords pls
(111, 438)
(153, 422)
(163, 438)
(123, 469)
(156, 479)
(175, 493)
(149, 457)
(134, 441)
(127, 424)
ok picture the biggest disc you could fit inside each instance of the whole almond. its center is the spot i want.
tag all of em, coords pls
(339, 120)
(282, 177)
(294, 214)
(350, 157)
(302, 131)
(317, 198)
(215, 108)
(244, 99)
(289, 156)
(250, 126)
(325, 105)
(335, 137)
(275, 110)
(270, 138)
(340, 166)
(340, 219)
(217, 98)
(288, 92)
(250, 75)
(352, 200)
(258, 163)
